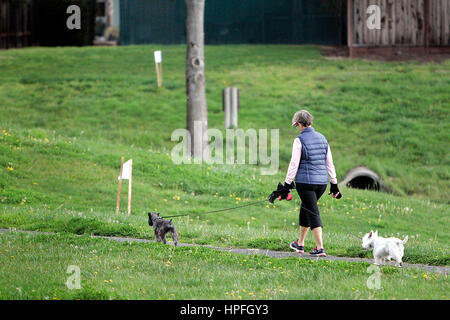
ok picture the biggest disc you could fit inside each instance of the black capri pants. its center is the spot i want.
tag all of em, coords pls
(309, 211)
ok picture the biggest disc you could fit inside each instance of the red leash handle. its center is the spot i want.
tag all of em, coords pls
(288, 198)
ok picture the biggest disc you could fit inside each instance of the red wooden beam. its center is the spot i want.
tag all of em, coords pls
(350, 27)
(1, 43)
(427, 15)
(15, 34)
(8, 23)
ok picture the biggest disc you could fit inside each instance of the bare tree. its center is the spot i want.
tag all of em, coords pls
(197, 112)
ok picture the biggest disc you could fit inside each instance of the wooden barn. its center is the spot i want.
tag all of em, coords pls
(16, 23)
(411, 26)
(43, 22)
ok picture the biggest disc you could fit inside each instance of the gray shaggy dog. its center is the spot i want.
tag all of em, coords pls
(161, 227)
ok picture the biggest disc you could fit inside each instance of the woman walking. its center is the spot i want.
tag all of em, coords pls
(311, 164)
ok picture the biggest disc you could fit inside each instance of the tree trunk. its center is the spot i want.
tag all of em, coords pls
(197, 113)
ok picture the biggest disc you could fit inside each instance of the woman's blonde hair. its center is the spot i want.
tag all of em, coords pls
(303, 117)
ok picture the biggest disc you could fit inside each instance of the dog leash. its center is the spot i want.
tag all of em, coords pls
(351, 233)
(246, 205)
(219, 210)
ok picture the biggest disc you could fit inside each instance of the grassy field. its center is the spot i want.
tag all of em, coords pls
(69, 114)
(111, 270)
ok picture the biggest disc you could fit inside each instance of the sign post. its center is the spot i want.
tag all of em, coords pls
(129, 186)
(120, 186)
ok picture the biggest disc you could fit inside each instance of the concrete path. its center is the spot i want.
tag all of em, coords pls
(271, 253)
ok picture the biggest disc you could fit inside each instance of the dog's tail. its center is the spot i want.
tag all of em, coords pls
(399, 242)
(170, 225)
(174, 237)
(174, 233)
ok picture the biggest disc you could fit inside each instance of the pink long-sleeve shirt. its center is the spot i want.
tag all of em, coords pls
(295, 162)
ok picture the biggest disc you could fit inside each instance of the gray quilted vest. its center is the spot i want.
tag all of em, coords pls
(313, 166)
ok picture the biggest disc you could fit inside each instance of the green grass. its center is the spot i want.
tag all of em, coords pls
(392, 117)
(261, 227)
(112, 270)
(69, 114)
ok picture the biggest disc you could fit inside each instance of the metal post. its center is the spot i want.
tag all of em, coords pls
(226, 100)
(230, 106)
(234, 107)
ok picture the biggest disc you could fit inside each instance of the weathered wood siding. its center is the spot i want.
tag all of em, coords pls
(439, 22)
(402, 23)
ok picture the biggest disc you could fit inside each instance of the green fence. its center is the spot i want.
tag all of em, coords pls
(233, 21)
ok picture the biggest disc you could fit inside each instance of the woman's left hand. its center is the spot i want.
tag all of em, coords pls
(334, 190)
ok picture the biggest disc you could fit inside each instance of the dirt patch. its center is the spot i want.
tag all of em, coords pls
(341, 53)
(334, 52)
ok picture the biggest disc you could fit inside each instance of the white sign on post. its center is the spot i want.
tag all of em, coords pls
(158, 56)
(158, 65)
(126, 172)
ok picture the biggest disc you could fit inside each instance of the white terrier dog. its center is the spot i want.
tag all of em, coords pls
(384, 249)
